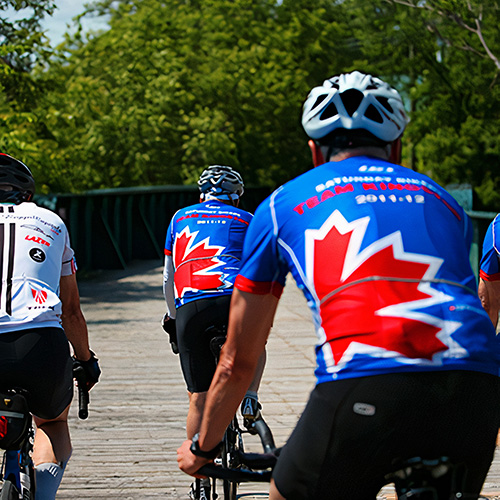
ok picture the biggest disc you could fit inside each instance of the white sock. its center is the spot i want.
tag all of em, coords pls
(48, 479)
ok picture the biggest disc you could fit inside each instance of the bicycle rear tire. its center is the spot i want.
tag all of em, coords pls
(9, 491)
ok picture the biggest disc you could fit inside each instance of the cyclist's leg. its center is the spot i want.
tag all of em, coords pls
(250, 406)
(274, 494)
(52, 440)
(44, 369)
(197, 360)
(51, 452)
(195, 412)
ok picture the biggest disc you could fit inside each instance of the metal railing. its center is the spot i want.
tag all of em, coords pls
(109, 228)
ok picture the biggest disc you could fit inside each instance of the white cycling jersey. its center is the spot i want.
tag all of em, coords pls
(34, 253)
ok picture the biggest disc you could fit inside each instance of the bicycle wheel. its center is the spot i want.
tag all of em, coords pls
(229, 450)
(9, 491)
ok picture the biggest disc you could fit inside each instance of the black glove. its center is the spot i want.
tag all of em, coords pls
(168, 325)
(86, 373)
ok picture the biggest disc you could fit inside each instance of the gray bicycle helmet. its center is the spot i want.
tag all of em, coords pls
(18, 176)
(354, 101)
(222, 182)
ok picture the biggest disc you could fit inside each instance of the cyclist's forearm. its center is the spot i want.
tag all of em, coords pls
(72, 319)
(489, 293)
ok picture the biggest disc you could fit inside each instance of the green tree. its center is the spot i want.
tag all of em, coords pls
(176, 85)
(446, 54)
(23, 48)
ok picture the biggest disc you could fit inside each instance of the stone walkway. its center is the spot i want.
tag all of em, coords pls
(126, 449)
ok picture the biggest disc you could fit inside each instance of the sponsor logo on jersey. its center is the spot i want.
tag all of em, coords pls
(32, 227)
(37, 239)
(37, 255)
(40, 296)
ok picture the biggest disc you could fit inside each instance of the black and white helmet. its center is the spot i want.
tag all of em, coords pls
(222, 182)
(18, 176)
(354, 101)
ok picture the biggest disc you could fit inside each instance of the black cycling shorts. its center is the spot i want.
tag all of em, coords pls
(353, 430)
(192, 320)
(39, 361)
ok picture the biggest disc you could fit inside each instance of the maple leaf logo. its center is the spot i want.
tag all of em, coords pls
(196, 263)
(387, 310)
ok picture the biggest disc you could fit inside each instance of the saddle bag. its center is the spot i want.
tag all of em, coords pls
(14, 420)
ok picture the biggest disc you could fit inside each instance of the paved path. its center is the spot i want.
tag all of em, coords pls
(126, 449)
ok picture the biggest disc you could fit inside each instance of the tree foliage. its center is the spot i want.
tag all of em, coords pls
(176, 85)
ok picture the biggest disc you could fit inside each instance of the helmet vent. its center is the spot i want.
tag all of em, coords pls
(319, 100)
(22, 179)
(385, 102)
(373, 114)
(351, 99)
(329, 111)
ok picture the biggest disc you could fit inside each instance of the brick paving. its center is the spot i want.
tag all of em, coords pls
(126, 449)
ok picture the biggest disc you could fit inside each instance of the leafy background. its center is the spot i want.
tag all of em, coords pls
(175, 85)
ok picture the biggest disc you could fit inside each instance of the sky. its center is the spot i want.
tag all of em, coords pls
(61, 21)
(57, 24)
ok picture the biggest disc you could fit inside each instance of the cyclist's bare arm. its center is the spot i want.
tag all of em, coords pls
(72, 318)
(489, 293)
(251, 317)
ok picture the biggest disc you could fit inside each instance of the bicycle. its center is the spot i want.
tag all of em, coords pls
(232, 443)
(17, 435)
(414, 479)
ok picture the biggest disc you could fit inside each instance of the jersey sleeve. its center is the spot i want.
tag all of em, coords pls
(489, 268)
(169, 239)
(263, 270)
(68, 260)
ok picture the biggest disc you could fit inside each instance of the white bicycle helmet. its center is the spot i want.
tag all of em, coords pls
(354, 101)
(222, 182)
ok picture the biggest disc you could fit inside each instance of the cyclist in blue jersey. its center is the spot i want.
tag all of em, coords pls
(407, 359)
(489, 271)
(203, 250)
(39, 313)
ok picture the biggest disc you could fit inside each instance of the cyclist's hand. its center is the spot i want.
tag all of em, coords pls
(87, 372)
(168, 325)
(188, 462)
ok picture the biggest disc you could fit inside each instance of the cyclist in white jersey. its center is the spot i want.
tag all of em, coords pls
(39, 312)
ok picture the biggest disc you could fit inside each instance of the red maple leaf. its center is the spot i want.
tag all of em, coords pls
(194, 264)
(353, 313)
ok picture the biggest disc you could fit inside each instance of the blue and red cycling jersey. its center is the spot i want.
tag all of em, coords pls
(206, 242)
(489, 268)
(382, 255)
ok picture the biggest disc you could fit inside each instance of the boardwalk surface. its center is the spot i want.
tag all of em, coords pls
(126, 449)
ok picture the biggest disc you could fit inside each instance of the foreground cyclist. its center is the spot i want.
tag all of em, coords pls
(202, 257)
(489, 271)
(39, 313)
(407, 360)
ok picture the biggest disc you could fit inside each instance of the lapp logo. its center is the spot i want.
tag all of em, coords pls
(37, 239)
(40, 296)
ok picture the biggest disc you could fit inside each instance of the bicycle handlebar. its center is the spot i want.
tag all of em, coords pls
(257, 463)
(83, 393)
(236, 475)
(83, 403)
